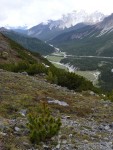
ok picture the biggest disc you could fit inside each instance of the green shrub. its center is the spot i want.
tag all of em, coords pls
(42, 125)
(21, 66)
(110, 95)
(36, 68)
(52, 78)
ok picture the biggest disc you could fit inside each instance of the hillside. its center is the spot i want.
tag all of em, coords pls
(32, 44)
(86, 117)
(11, 52)
(91, 40)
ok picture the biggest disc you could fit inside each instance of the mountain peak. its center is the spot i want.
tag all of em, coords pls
(3, 29)
(65, 22)
(75, 17)
(106, 25)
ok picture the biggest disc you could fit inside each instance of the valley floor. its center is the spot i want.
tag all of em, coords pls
(87, 119)
(55, 58)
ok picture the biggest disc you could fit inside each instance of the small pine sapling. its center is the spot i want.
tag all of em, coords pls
(42, 125)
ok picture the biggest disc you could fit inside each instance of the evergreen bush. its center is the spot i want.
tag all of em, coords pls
(43, 125)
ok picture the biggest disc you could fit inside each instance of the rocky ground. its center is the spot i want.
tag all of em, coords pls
(87, 119)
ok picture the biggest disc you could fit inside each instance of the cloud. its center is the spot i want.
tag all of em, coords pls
(32, 12)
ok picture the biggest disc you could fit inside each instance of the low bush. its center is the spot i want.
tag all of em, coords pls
(42, 124)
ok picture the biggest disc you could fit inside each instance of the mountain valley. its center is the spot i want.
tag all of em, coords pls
(66, 66)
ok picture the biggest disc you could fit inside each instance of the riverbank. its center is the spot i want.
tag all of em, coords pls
(57, 56)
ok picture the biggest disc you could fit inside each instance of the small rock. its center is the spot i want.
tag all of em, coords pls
(62, 103)
(103, 95)
(67, 117)
(104, 127)
(107, 127)
(106, 105)
(101, 128)
(103, 143)
(110, 143)
(17, 129)
(25, 143)
(86, 141)
(58, 146)
(24, 73)
(70, 135)
(42, 74)
(4, 134)
(64, 141)
(92, 93)
(46, 147)
(111, 125)
(23, 112)
(106, 139)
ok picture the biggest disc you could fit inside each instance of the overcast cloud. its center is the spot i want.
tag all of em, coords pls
(31, 12)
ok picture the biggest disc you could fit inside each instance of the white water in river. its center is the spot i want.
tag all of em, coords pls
(70, 68)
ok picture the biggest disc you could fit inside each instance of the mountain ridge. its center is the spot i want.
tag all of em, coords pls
(33, 44)
(53, 28)
(89, 40)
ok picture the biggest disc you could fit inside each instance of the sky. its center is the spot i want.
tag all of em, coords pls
(16, 13)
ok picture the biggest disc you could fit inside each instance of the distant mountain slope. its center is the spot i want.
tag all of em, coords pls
(11, 52)
(53, 28)
(89, 40)
(44, 32)
(33, 44)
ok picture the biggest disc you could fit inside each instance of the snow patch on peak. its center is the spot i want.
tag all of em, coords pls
(105, 30)
(71, 19)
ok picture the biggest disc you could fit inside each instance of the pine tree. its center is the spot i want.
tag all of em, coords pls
(43, 125)
(50, 77)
